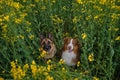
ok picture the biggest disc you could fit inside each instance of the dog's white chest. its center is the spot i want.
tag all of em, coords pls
(68, 57)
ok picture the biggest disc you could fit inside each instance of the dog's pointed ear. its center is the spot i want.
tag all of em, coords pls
(50, 36)
(42, 36)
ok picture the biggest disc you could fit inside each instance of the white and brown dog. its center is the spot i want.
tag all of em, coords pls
(70, 51)
(48, 45)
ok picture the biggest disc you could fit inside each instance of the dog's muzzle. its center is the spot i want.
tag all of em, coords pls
(47, 47)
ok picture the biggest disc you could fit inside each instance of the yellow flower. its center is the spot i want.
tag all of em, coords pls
(43, 53)
(49, 78)
(63, 69)
(116, 29)
(25, 67)
(96, 17)
(31, 37)
(18, 21)
(75, 19)
(84, 35)
(103, 1)
(36, 0)
(28, 29)
(56, 19)
(28, 23)
(79, 1)
(23, 15)
(91, 57)
(76, 79)
(20, 36)
(117, 38)
(53, 1)
(48, 68)
(17, 72)
(43, 7)
(78, 63)
(33, 68)
(49, 61)
(61, 61)
(95, 78)
(16, 5)
(88, 17)
(6, 18)
(1, 78)
(64, 8)
(1, 20)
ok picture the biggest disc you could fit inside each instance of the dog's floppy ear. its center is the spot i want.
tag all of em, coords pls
(50, 36)
(78, 42)
(65, 39)
(41, 37)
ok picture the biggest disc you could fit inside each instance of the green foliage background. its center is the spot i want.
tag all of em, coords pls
(22, 21)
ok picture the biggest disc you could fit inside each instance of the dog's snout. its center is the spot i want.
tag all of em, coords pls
(69, 47)
(47, 47)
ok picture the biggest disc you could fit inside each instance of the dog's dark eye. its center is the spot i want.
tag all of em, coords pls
(48, 42)
(43, 43)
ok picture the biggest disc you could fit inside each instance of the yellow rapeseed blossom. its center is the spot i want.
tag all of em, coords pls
(20, 36)
(26, 67)
(63, 69)
(48, 68)
(34, 69)
(53, 1)
(23, 15)
(18, 21)
(75, 20)
(115, 7)
(76, 79)
(96, 17)
(61, 61)
(78, 63)
(49, 61)
(28, 23)
(16, 71)
(43, 7)
(49, 78)
(102, 1)
(56, 19)
(79, 1)
(43, 53)
(31, 37)
(36, 0)
(117, 38)
(6, 18)
(88, 17)
(98, 8)
(84, 35)
(16, 5)
(1, 20)
(64, 8)
(116, 29)
(91, 57)
(28, 29)
(95, 78)
(1, 78)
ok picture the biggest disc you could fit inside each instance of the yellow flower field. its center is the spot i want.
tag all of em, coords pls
(95, 23)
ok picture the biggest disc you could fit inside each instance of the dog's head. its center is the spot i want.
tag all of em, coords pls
(71, 44)
(46, 42)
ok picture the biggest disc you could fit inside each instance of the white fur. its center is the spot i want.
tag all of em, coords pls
(68, 57)
(70, 44)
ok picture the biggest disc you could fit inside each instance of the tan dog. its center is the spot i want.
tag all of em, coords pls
(48, 45)
(70, 51)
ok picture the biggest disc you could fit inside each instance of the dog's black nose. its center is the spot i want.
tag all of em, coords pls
(47, 47)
